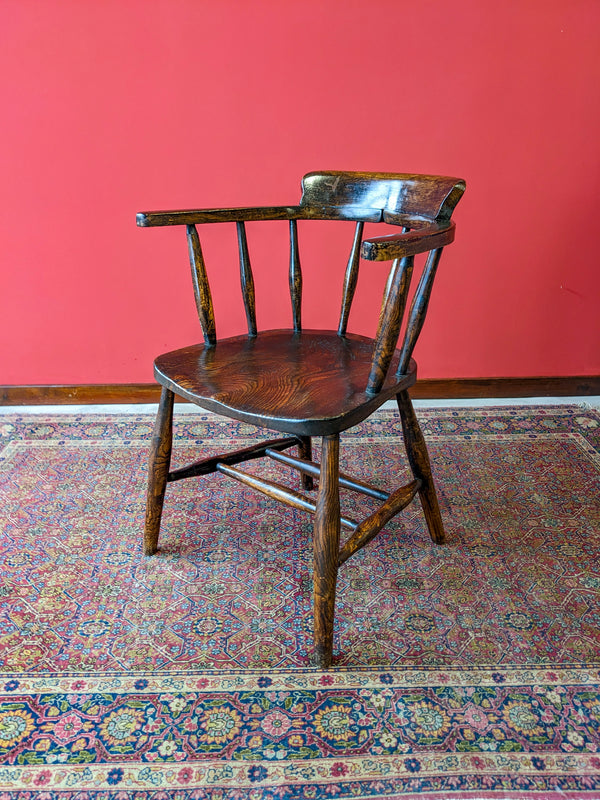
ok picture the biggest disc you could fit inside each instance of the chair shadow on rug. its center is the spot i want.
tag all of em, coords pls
(306, 383)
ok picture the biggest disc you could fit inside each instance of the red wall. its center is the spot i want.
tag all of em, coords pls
(115, 106)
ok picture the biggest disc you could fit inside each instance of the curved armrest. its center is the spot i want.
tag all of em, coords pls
(150, 219)
(197, 216)
(431, 236)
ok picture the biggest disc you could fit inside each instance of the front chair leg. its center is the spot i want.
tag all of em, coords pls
(326, 544)
(158, 469)
(418, 458)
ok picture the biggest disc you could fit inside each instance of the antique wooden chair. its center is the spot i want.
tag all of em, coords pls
(307, 383)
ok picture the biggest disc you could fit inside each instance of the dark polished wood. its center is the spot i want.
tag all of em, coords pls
(424, 389)
(246, 279)
(427, 197)
(350, 279)
(390, 320)
(418, 310)
(308, 383)
(411, 243)
(158, 470)
(371, 526)
(311, 468)
(305, 452)
(204, 304)
(326, 545)
(277, 491)
(207, 465)
(418, 457)
(152, 219)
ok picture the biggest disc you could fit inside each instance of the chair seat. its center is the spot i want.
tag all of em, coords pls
(306, 383)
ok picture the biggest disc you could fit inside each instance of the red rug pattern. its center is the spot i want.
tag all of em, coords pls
(471, 667)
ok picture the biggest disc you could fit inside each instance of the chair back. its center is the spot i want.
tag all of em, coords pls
(421, 205)
(417, 197)
(414, 202)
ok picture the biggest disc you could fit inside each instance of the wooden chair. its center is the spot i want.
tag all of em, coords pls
(306, 383)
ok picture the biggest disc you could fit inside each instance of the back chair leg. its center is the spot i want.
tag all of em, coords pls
(305, 451)
(326, 544)
(418, 458)
(158, 469)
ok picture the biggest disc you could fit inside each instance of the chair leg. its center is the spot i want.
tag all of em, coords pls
(326, 544)
(305, 451)
(158, 468)
(418, 457)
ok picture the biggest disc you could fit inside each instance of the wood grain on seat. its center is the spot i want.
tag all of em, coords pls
(306, 382)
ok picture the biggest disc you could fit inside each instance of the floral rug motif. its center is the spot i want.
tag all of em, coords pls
(470, 670)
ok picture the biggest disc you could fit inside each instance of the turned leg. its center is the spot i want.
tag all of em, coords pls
(305, 451)
(418, 457)
(158, 468)
(326, 544)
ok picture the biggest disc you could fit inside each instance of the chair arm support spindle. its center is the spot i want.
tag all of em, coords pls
(418, 309)
(390, 321)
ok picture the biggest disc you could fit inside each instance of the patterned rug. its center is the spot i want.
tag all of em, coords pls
(470, 670)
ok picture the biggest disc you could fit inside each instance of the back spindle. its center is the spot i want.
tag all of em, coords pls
(202, 294)
(350, 279)
(418, 309)
(246, 279)
(295, 277)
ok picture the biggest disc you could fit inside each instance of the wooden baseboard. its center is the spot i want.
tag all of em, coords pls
(427, 389)
(477, 388)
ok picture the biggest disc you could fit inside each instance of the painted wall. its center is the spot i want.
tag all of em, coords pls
(114, 106)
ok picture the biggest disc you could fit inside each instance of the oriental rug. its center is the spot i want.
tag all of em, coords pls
(470, 670)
